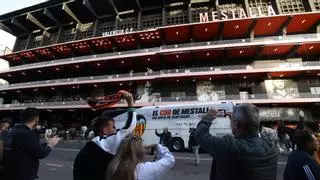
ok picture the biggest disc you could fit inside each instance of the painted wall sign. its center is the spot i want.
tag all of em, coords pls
(117, 32)
(236, 14)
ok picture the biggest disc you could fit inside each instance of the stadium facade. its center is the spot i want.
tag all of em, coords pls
(168, 51)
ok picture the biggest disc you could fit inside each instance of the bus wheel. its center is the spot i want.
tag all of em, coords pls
(177, 144)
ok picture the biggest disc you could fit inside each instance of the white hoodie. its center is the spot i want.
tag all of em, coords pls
(155, 170)
(111, 143)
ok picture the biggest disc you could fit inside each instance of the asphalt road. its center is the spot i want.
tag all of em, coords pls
(59, 165)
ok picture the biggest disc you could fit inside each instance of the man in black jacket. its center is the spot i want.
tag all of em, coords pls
(93, 159)
(23, 148)
(244, 155)
(165, 137)
(301, 164)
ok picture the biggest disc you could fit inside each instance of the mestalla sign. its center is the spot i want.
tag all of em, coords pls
(237, 13)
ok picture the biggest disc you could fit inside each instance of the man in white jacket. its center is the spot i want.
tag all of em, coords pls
(93, 159)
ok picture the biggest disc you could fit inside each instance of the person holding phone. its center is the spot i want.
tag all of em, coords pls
(129, 164)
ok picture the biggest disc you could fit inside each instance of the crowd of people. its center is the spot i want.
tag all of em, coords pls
(251, 153)
(43, 99)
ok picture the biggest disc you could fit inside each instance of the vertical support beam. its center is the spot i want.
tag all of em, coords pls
(164, 20)
(279, 7)
(28, 41)
(292, 51)
(284, 26)
(190, 12)
(58, 36)
(217, 8)
(311, 3)
(246, 3)
(95, 28)
(76, 33)
(116, 26)
(318, 27)
(139, 20)
(251, 29)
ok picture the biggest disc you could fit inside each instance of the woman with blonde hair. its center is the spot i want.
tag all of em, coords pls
(128, 163)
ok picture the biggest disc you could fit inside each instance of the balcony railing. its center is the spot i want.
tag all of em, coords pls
(174, 48)
(160, 74)
(303, 97)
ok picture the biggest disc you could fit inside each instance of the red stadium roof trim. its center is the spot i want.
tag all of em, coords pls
(175, 49)
(233, 28)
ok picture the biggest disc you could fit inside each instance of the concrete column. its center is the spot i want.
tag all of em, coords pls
(279, 7)
(139, 21)
(164, 21)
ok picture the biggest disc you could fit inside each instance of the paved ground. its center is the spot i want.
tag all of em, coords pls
(59, 165)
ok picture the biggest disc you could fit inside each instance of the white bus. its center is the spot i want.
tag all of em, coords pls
(178, 118)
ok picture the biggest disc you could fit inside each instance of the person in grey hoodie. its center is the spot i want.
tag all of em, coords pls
(245, 155)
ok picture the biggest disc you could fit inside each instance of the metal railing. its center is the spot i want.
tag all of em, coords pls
(166, 100)
(162, 73)
(170, 48)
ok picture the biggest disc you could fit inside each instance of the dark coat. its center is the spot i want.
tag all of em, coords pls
(91, 163)
(192, 140)
(301, 166)
(22, 154)
(165, 138)
(249, 158)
